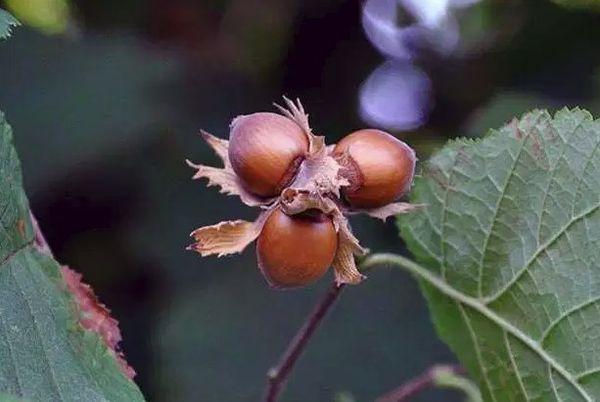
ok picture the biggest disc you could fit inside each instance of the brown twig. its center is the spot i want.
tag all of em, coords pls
(419, 383)
(278, 375)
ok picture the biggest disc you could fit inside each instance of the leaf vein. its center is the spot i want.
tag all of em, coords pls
(513, 362)
(42, 343)
(554, 389)
(495, 217)
(587, 373)
(11, 255)
(553, 175)
(540, 250)
(587, 164)
(566, 314)
(480, 307)
(11, 353)
(444, 213)
(476, 348)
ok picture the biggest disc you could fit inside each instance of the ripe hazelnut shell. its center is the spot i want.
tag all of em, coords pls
(295, 250)
(265, 150)
(380, 167)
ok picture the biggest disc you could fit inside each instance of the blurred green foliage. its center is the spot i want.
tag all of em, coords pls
(49, 16)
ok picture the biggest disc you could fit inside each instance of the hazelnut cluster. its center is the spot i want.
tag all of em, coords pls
(306, 190)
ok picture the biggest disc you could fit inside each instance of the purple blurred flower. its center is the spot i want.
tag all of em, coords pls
(430, 26)
(397, 95)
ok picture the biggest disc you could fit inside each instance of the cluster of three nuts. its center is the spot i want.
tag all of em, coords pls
(266, 154)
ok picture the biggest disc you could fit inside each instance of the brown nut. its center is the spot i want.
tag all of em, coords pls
(379, 167)
(265, 150)
(296, 250)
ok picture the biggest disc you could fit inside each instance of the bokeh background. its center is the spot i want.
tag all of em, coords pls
(106, 99)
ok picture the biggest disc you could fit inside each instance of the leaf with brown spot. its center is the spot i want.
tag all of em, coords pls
(21, 227)
(49, 349)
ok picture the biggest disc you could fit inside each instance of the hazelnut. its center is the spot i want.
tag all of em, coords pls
(296, 250)
(379, 167)
(265, 151)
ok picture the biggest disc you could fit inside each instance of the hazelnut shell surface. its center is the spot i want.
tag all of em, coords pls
(297, 250)
(265, 150)
(380, 167)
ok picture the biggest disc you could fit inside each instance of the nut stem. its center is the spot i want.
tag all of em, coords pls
(278, 375)
(430, 378)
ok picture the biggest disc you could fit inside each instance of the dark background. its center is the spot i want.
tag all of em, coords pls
(106, 108)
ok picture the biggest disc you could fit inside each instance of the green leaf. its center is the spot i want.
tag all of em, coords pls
(10, 398)
(509, 255)
(45, 354)
(7, 22)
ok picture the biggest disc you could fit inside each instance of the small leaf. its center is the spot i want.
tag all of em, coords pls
(509, 253)
(7, 22)
(45, 351)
